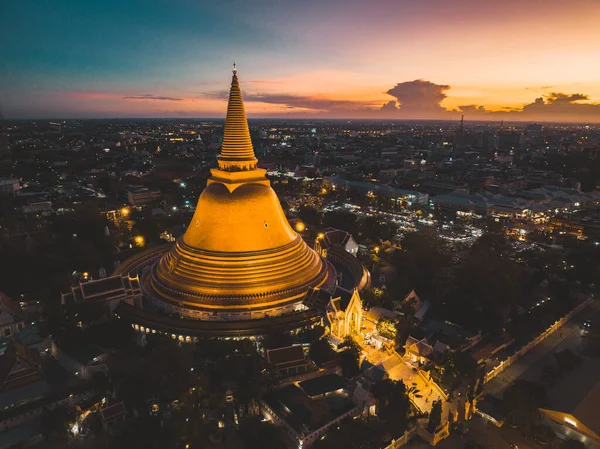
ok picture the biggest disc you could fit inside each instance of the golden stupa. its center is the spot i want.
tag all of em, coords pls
(239, 258)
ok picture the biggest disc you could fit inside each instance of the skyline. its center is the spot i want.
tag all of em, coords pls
(514, 60)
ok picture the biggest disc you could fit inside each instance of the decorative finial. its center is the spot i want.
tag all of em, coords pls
(234, 70)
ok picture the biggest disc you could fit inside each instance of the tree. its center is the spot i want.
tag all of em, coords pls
(387, 328)
(435, 416)
(57, 422)
(353, 434)
(349, 361)
(341, 219)
(522, 400)
(393, 404)
(485, 289)
(321, 352)
(277, 339)
(257, 434)
(374, 229)
(311, 334)
(421, 263)
(309, 215)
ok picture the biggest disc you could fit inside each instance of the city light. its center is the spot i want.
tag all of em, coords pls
(300, 226)
(125, 211)
(139, 240)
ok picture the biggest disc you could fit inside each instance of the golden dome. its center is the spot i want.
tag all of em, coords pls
(239, 252)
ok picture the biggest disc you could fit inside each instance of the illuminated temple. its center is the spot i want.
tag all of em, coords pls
(240, 268)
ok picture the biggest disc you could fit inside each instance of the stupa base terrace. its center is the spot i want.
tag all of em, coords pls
(153, 315)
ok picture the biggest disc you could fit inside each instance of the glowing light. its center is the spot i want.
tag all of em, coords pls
(139, 240)
(570, 421)
(125, 211)
(376, 249)
(300, 226)
(321, 235)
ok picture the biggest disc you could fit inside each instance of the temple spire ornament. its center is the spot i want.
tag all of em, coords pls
(237, 153)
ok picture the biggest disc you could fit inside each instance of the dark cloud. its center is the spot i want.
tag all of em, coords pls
(472, 109)
(556, 106)
(291, 101)
(265, 82)
(216, 95)
(565, 98)
(539, 88)
(151, 97)
(419, 98)
(390, 106)
(310, 102)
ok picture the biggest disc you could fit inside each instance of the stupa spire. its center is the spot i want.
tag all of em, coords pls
(237, 153)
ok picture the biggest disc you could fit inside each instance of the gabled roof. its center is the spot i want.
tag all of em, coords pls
(420, 347)
(19, 366)
(336, 237)
(11, 307)
(322, 384)
(113, 411)
(102, 286)
(288, 356)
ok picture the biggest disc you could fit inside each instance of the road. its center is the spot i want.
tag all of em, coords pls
(530, 366)
(489, 436)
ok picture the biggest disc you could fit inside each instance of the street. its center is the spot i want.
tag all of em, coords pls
(530, 366)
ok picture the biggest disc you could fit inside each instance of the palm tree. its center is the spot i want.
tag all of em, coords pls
(414, 391)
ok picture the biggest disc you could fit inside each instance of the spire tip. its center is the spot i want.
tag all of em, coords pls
(234, 70)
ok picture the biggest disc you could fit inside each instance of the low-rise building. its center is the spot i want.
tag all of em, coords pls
(22, 379)
(109, 291)
(140, 195)
(306, 410)
(289, 360)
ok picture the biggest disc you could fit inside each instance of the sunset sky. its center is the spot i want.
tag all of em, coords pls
(406, 59)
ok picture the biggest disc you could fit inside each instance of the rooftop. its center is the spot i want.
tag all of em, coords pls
(322, 385)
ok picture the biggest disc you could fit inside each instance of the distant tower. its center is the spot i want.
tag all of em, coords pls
(462, 124)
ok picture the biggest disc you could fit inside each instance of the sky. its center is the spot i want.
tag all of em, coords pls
(528, 60)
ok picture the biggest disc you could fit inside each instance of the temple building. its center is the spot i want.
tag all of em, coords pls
(344, 314)
(240, 269)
